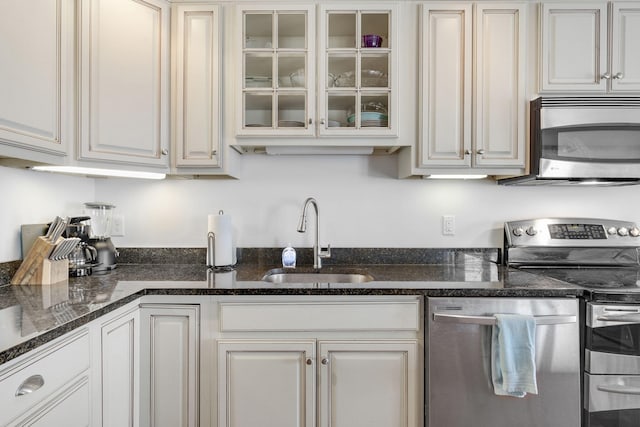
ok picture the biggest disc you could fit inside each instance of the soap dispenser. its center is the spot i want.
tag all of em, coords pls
(289, 257)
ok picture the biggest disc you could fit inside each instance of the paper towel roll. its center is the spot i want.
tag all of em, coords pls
(225, 251)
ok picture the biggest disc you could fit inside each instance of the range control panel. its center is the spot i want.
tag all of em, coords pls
(573, 232)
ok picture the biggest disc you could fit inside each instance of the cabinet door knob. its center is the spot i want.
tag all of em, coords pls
(310, 121)
(325, 361)
(309, 361)
(480, 151)
(467, 152)
(164, 151)
(214, 153)
(606, 76)
(30, 385)
(321, 121)
(618, 76)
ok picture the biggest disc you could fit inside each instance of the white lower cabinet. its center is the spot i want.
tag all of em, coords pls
(169, 365)
(368, 383)
(48, 386)
(289, 363)
(266, 383)
(119, 362)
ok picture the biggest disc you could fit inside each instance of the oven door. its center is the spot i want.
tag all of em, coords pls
(612, 365)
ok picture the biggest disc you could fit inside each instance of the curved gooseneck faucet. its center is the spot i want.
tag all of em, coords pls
(318, 253)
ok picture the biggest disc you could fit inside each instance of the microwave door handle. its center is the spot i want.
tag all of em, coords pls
(491, 320)
(620, 389)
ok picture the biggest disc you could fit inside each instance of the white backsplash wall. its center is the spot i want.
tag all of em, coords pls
(361, 203)
(29, 197)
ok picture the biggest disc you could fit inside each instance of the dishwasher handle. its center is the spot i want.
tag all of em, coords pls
(491, 320)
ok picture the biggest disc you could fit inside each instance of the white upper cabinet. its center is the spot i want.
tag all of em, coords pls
(124, 85)
(298, 80)
(197, 39)
(446, 85)
(577, 54)
(461, 128)
(36, 79)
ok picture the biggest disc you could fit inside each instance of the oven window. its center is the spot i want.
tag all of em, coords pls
(619, 418)
(619, 339)
(597, 143)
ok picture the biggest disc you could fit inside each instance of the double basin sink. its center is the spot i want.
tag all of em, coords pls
(280, 276)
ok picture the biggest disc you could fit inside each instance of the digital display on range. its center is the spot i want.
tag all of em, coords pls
(577, 231)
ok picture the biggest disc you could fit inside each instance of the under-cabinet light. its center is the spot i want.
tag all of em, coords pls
(77, 170)
(454, 176)
(294, 150)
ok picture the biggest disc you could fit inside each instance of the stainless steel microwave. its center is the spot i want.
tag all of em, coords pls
(579, 140)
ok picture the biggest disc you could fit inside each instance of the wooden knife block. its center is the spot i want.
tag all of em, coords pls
(38, 269)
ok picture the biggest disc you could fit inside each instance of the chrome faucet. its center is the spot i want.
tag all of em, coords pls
(318, 253)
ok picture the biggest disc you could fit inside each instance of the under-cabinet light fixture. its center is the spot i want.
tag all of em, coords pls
(116, 173)
(454, 176)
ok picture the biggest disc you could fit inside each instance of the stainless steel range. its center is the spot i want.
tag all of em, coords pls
(602, 256)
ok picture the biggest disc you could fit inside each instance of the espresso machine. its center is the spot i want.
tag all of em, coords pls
(101, 215)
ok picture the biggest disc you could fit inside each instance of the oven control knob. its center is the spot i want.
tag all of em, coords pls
(532, 231)
(612, 230)
(518, 231)
(635, 231)
(623, 231)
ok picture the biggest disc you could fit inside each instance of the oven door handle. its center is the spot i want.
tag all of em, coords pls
(620, 389)
(626, 318)
(491, 320)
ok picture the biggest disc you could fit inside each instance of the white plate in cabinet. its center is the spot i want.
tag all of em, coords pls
(320, 316)
(37, 377)
(577, 56)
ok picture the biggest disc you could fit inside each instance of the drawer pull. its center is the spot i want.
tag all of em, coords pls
(30, 385)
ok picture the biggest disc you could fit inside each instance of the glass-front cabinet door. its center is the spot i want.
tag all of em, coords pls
(339, 79)
(357, 76)
(278, 71)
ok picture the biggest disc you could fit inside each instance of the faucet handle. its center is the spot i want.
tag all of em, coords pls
(325, 253)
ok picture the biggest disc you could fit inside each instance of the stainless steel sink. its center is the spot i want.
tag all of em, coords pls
(293, 276)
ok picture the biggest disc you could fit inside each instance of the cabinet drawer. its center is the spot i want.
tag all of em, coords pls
(51, 367)
(320, 316)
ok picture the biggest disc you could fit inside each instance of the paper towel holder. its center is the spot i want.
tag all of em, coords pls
(211, 252)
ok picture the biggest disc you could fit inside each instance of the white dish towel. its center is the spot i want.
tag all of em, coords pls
(513, 355)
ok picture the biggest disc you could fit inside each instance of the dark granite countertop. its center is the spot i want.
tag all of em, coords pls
(33, 315)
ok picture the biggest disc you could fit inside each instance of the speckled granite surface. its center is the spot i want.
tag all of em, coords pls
(33, 315)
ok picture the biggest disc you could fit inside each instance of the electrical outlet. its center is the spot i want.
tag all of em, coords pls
(448, 225)
(117, 225)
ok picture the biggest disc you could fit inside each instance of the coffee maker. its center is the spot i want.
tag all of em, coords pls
(100, 235)
(83, 258)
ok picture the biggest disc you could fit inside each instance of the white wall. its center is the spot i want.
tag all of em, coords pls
(361, 202)
(28, 197)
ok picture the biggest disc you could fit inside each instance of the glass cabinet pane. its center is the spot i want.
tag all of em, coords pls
(258, 30)
(258, 109)
(342, 70)
(258, 70)
(374, 71)
(291, 110)
(291, 70)
(341, 109)
(342, 30)
(374, 110)
(292, 30)
(375, 30)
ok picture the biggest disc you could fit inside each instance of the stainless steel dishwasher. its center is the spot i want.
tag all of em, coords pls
(458, 364)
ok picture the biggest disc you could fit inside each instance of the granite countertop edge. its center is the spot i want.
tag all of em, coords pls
(129, 282)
